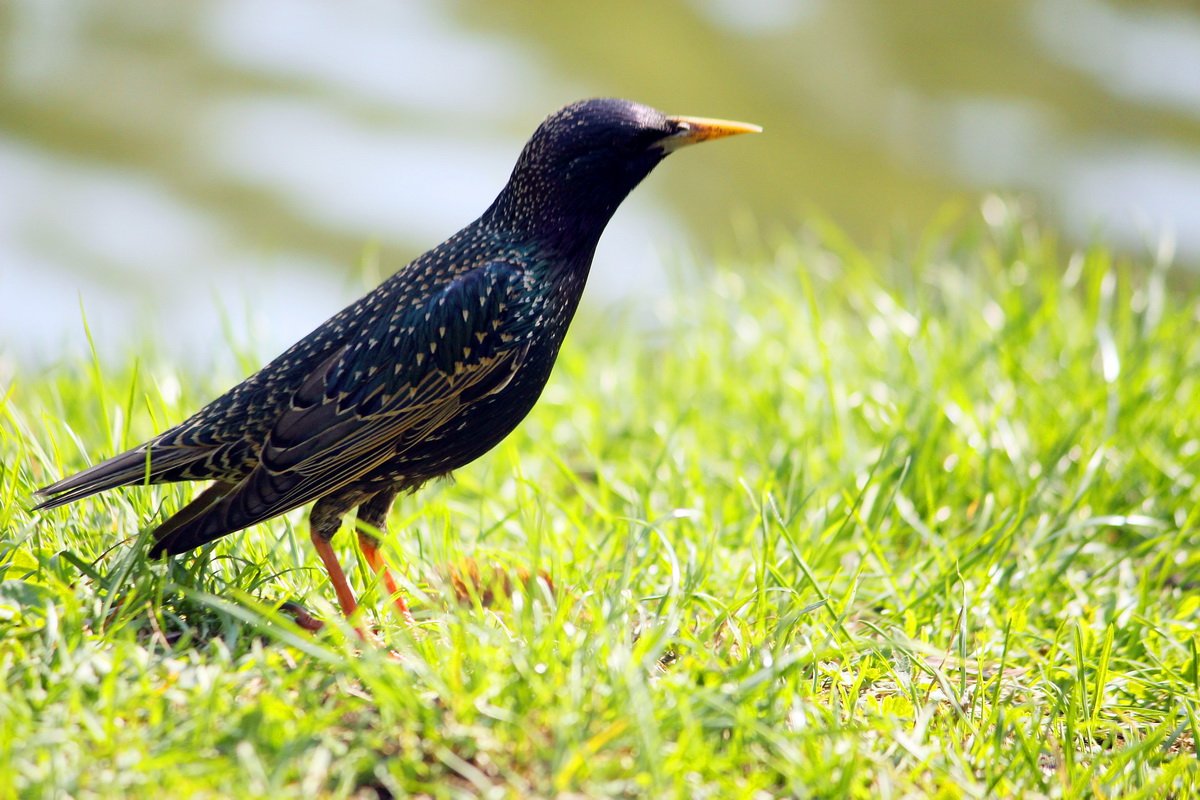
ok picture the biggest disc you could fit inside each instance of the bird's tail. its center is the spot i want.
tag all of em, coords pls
(221, 509)
(141, 465)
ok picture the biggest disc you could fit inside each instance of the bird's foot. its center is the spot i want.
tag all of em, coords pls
(302, 616)
(305, 619)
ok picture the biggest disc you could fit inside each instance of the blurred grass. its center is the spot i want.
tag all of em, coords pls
(840, 524)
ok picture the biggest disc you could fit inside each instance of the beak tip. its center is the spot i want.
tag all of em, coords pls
(702, 129)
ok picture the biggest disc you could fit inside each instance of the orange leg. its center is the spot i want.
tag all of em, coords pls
(338, 578)
(370, 549)
(372, 520)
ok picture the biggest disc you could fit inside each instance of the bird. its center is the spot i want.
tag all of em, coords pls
(423, 374)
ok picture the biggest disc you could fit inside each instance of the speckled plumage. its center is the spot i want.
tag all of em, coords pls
(425, 373)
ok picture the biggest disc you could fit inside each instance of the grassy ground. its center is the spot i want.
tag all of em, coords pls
(843, 526)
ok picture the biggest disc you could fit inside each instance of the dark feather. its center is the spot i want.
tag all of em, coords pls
(145, 464)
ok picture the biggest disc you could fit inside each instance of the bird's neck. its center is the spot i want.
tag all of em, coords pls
(561, 225)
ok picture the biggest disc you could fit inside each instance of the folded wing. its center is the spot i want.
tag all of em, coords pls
(404, 375)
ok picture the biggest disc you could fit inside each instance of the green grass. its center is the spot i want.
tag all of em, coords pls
(838, 525)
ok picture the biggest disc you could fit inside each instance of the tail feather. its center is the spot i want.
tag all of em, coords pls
(127, 469)
(223, 508)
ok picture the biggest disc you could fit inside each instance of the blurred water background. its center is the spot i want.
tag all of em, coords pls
(188, 172)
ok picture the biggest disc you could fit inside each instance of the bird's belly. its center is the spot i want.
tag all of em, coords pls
(476, 429)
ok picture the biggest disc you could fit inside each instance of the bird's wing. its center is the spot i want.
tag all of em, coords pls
(403, 376)
(390, 386)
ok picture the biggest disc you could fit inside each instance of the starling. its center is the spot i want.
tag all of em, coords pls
(422, 375)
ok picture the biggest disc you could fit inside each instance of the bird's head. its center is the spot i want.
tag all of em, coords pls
(584, 159)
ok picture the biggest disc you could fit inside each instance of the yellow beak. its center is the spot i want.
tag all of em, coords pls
(700, 129)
